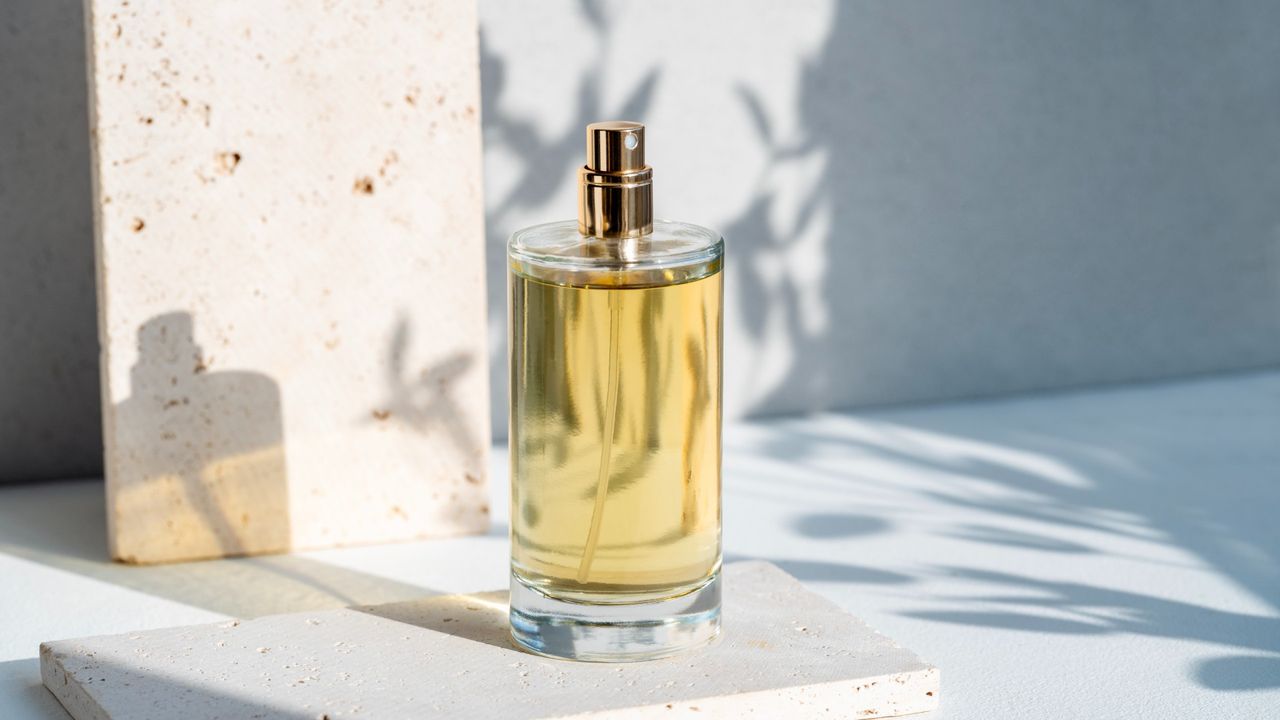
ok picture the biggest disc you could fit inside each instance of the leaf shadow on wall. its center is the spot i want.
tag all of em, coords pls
(951, 213)
(547, 163)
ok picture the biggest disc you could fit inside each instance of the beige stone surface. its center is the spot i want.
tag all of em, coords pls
(784, 652)
(290, 270)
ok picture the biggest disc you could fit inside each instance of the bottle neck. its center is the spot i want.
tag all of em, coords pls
(615, 204)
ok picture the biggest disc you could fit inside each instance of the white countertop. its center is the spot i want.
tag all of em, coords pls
(1097, 554)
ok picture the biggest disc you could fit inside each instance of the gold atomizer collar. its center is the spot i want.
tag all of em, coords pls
(615, 187)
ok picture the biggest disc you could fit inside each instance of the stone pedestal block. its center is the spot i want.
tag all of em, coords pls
(290, 273)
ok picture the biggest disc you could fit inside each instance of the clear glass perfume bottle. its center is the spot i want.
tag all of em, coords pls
(615, 324)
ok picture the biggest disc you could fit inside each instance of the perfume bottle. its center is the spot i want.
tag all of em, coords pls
(615, 330)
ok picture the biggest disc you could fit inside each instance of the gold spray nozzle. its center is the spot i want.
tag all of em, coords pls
(616, 146)
(615, 187)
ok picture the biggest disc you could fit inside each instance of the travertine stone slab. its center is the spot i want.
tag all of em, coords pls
(290, 269)
(784, 653)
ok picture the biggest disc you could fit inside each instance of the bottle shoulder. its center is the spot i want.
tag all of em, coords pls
(674, 252)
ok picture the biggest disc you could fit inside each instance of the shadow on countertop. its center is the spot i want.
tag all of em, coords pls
(1192, 468)
(62, 525)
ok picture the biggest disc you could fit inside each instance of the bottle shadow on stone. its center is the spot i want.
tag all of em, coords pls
(196, 455)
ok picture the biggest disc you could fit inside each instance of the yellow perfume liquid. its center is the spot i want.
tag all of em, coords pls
(654, 530)
(615, 329)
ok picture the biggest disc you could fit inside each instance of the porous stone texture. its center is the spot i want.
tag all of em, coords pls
(784, 653)
(290, 268)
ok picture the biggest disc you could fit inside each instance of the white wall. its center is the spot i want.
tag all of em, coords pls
(923, 200)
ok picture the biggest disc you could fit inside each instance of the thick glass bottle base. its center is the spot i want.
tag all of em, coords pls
(614, 633)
